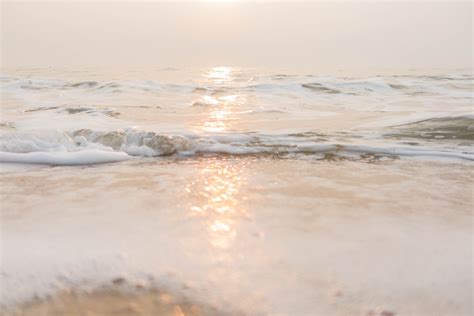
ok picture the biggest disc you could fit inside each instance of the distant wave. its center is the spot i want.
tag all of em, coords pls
(455, 86)
(76, 110)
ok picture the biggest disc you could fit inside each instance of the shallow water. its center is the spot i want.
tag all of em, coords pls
(245, 191)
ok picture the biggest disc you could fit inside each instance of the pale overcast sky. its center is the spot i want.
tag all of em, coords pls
(238, 33)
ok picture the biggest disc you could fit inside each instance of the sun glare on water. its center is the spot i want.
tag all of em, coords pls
(219, 75)
(221, 105)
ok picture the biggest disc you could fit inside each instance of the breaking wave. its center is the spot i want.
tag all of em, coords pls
(87, 146)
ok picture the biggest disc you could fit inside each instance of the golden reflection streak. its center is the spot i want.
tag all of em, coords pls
(215, 194)
(217, 186)
(216, 121)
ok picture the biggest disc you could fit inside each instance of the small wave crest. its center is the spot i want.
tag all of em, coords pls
(319, 87)
(76, 110)
(457, 127)
(355, 86)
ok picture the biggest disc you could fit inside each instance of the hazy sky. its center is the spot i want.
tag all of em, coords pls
(286, 34)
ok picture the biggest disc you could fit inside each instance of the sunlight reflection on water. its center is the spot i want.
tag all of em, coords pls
(216, 190)
(219, 75)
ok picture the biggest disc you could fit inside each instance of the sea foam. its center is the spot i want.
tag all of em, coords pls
(87, 146)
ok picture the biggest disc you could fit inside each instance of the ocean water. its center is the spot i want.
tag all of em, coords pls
(248, 191)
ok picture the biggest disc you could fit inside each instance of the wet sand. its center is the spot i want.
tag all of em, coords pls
(111, 302)
(239, 236)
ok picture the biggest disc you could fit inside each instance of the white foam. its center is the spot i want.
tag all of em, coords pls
(84, 157)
